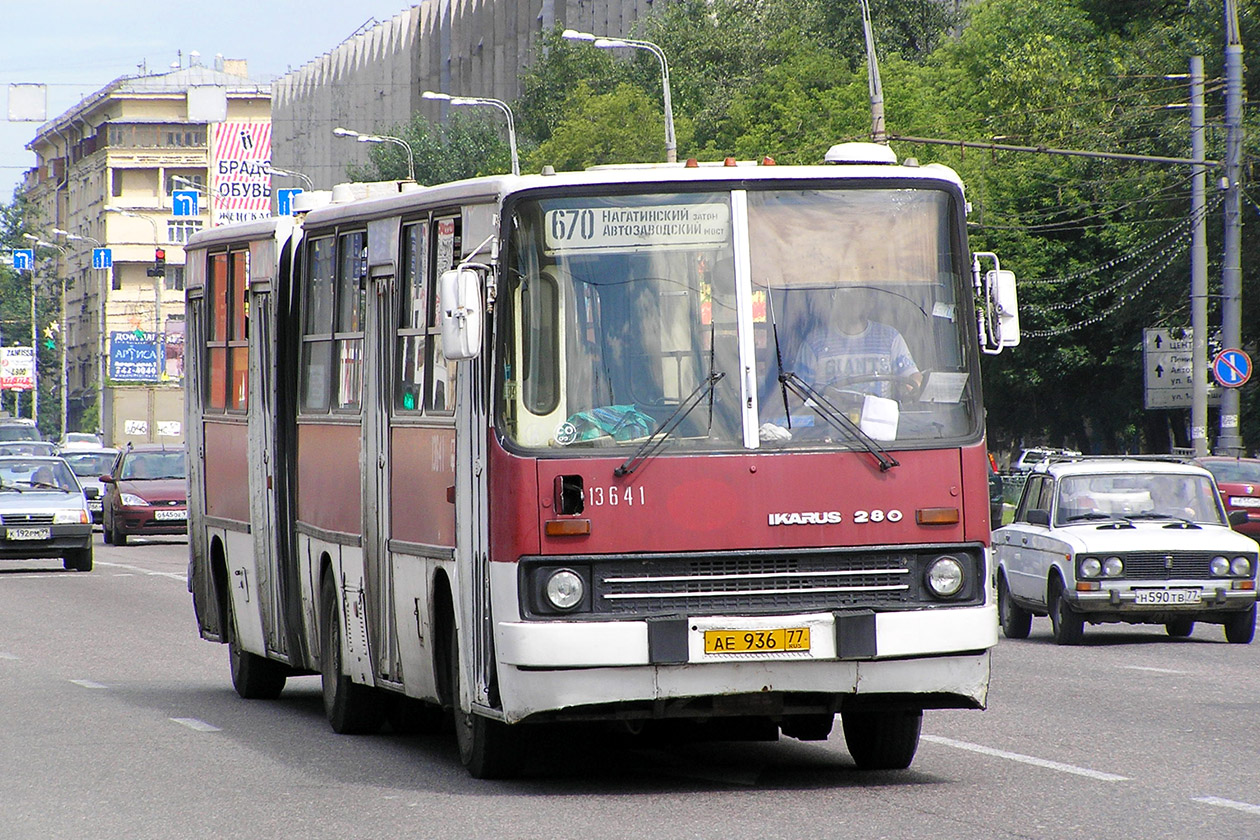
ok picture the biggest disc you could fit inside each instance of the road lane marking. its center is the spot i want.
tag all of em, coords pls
(1027, 759)
(5, 655)
(1153, 670)
(88, 684)
(171, 575)
(195, 724)
(1254, 810)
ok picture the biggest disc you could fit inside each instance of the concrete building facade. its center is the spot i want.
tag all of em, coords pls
(373, 80)
(107, 174)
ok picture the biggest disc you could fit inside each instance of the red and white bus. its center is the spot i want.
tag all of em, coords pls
(633, 444)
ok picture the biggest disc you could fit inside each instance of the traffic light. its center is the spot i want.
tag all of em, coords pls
(159, 263)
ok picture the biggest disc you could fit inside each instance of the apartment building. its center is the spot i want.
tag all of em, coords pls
(137, 167)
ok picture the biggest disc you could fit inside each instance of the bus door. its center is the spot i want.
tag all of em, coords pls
(377, 399)
(262, 437)
(200, 582)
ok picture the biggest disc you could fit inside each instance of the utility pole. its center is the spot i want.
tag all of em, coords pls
(1229, 442)
(1198, 267)
(879, 133)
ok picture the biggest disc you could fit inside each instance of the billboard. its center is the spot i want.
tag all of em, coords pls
(17, 368)
(135, 356)
(240, 183)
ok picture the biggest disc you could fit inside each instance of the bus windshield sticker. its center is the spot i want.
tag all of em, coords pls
(943, 387)
(628, 228)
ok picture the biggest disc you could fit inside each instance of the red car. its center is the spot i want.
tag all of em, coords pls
(1239, 482)
(146, 493)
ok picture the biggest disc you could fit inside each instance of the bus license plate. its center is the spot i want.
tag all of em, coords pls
(757, 641)
(27, 533)
(1161, 597)
(170, 514)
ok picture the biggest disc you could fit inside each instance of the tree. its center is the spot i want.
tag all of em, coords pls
(622, 126)
(468, 145)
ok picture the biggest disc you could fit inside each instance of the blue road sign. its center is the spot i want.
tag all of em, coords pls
(1231, 368)
(23, 259)
(284, 199)
(102, 258)
(184, 202)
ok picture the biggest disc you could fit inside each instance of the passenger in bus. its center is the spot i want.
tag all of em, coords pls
(849, 351)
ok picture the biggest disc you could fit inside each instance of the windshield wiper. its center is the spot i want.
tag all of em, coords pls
(663, 431)
(825, 409)
(1091, 515)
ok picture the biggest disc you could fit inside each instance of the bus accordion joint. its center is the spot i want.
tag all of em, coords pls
(567, 527)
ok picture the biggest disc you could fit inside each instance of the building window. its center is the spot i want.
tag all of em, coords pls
(186, 181)
(174, 280)
(179, 229)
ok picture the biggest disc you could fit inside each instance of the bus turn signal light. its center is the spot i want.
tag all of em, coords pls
(936, 516)
(567, 527)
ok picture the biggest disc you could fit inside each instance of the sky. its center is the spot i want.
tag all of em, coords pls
(76, 47)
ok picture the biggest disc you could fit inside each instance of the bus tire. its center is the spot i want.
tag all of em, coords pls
(1240, 628)
(254, 677)
(488, 748)
(351, 709)
(882, 739)
(1016, 621)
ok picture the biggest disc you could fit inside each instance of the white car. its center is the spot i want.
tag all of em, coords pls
(1124, 540)
(79, 441)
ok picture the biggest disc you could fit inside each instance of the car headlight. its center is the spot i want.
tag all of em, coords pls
(1113, 567)
(945, 576)
(132, 501)
(1091, 567)
(1241, 566)
(70, 517)
(1220, 566)
(565, 589)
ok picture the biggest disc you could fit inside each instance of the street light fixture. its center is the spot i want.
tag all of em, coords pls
(61, 301)
(483, 101)
(671, 145)
(382, 138)
(286, 173)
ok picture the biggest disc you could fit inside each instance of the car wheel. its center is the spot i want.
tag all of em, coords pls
(254, 677)
(80, 560)
(1240, 628)
(106, 536)
(1180, 628)
(488, 749)
(117, 537)
(882, 740)
(1016, 621)
(1067, 625)
(351, 708)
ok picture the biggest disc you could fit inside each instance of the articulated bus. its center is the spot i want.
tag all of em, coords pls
(662, 446)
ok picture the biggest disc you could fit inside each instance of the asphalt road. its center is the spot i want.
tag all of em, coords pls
(119, 722)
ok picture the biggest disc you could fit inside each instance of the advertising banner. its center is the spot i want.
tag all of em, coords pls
(135, 358)
(241, 172)
(17, 368)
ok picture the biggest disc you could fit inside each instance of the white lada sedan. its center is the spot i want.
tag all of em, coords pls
(1141, 541)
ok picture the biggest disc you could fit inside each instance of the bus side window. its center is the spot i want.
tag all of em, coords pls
(442, 372)
(412, 311)
(216, 333)
(351, 309)
(317, 325)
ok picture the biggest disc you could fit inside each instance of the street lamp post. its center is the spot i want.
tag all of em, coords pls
(287, 173)
(671, 145)
(157, 281)
(61, 329)
(382, 138)
(100, 324)
(485, 101)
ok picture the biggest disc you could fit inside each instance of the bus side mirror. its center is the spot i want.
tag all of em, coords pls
(462, 313)
(1004, 309)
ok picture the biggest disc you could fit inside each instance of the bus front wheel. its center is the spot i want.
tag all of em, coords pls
(488, 748)
(882, 739)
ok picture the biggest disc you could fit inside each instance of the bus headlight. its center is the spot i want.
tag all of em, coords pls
(564, 589)
(945, 576)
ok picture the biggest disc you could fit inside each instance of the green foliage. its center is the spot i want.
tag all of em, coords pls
(471, 144)
(622, 126)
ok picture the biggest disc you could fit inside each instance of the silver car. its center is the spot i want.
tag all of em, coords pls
(89, 465)
(43, 512)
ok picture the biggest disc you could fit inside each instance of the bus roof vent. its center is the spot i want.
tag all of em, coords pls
(860, 153)
(308, 200)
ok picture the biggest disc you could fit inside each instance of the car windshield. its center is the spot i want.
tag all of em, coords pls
(726, 317)
(148, 466)
(18, 431)
(1235, 472)
(90, 464)
(1184, 496)
(38, 474)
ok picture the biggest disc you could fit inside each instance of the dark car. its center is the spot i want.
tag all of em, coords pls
(29, 447)
(43, 512)
(89, 465)
(1238, 479)
(146, 493)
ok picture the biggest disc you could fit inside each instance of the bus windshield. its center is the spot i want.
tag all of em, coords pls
(846, 311)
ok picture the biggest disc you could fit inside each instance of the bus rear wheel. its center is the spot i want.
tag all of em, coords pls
(351, 708)
(254, 677)
(883, 739)
(488, 748)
